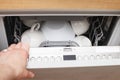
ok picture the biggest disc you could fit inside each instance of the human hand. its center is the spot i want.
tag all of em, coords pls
(14, 60)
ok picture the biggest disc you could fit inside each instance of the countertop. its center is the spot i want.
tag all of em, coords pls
(59, 4)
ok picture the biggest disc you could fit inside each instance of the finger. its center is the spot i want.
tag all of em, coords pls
(19, 45)
(25, 46)
(11, 47)
(28, 74)
(5, 50)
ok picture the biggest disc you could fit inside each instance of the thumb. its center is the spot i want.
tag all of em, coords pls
(25, 46)
(28, 74)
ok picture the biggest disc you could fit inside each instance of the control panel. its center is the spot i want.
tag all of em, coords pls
(59, 57)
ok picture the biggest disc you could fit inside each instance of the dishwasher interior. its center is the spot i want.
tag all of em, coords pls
(97, 30)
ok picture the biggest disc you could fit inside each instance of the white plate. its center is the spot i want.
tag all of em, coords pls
(83, 41)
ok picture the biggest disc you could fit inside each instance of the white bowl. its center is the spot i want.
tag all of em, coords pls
(57, 31)
(80, 26)
(29, 21)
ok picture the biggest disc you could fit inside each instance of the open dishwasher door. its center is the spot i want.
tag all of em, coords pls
(86, 63)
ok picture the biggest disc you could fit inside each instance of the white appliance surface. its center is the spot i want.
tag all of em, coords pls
(61, 57)
(75, 63)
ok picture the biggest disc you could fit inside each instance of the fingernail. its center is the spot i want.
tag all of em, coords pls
(32, 74)
(18, 45)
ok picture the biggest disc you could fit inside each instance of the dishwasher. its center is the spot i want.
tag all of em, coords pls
(66, 46)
